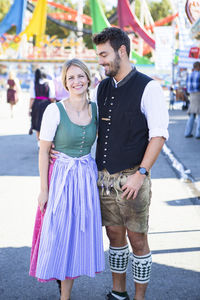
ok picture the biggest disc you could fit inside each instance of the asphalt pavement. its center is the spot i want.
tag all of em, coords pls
(174, 231)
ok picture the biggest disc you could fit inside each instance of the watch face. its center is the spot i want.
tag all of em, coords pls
(142, 170)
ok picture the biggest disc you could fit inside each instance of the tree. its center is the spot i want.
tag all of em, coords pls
(4, 8)
(160, 10)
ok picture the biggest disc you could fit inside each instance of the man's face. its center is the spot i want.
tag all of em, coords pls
(109, 59)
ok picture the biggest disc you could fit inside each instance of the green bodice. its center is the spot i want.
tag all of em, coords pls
(72, 139)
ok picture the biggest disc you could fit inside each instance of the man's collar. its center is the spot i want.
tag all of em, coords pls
(117, 84)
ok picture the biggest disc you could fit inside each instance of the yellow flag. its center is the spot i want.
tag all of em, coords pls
(37, 24)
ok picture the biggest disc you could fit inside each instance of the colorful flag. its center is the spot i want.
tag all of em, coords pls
(37, 24)
(15, 16)
(99, 20)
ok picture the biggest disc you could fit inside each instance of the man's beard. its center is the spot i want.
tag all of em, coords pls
(115, 66)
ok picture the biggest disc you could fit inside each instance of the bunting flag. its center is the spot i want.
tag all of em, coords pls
(14, 17)
(126, 18)
(37, 24)
(99, 20)
(140, 60)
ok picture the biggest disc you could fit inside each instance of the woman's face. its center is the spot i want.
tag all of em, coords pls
(76, 81)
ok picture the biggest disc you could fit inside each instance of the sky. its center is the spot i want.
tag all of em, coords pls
(110, 3)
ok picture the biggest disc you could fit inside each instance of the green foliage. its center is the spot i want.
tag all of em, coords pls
(54, 29)
(87, 38)
(160, 10)
(137, 8)
(4, 8)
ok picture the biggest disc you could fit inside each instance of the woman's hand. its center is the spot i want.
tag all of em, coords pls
(42, 200)
(52, 153)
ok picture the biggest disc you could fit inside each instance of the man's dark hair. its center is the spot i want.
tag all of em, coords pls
(115, 36)
(196, 65)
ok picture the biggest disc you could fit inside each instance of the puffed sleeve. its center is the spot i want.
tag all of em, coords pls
(50, 122)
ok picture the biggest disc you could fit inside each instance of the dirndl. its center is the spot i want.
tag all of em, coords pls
(38, 108)
(71, 242)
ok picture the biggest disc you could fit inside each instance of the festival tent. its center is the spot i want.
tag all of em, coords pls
(14, 17)
(37, 24)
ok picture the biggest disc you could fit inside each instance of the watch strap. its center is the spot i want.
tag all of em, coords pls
(143, 171)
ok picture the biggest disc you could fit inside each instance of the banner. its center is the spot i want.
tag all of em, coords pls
(164, 38)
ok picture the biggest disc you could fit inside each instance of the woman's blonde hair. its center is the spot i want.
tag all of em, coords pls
(11, 75)
(78, 63)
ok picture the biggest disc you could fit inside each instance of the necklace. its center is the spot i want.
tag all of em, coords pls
(79, 111)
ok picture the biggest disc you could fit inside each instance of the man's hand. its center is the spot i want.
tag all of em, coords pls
(132, 186)
(42, 200)
(52, 153)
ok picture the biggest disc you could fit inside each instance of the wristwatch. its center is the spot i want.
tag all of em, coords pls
(143, 171)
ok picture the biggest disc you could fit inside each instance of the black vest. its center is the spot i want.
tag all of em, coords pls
(123, 131)
(42, 90)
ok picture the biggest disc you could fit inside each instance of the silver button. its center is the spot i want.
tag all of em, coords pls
(106, 143)
(111, 103)
(109, 123)
(105, 149)
(106, 136)
(110, 110)
(82, 142)
(112, 97)
(104, 162)
(105, 155)
(81, 146)
(81, 150)
(83, 132)
(108, 129)
(83, 137)
(109, 117)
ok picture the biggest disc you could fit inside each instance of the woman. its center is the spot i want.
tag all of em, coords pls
(13, 91)
(42, 93)
(71, 237)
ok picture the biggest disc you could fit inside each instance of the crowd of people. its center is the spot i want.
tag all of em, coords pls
(190, 97)
(193, 88)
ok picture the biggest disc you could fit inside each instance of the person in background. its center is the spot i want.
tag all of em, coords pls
(193, 88)
(13, 90)
(133, 121)
(42, 93)
(171, 98)
(60, 91)
(71, 242)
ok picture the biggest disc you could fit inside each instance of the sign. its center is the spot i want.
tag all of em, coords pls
(194, 52)
(164, 47)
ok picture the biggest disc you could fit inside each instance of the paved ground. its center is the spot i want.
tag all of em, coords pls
(174, 233)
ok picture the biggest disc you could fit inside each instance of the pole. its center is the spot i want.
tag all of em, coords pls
(80, 26)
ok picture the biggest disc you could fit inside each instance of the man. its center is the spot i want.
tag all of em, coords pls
(193, 88)
(133, 122)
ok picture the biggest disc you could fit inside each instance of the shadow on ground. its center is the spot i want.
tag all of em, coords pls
(19, 155)
(167, 282)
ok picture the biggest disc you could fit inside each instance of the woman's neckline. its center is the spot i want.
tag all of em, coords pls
(80, 125)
